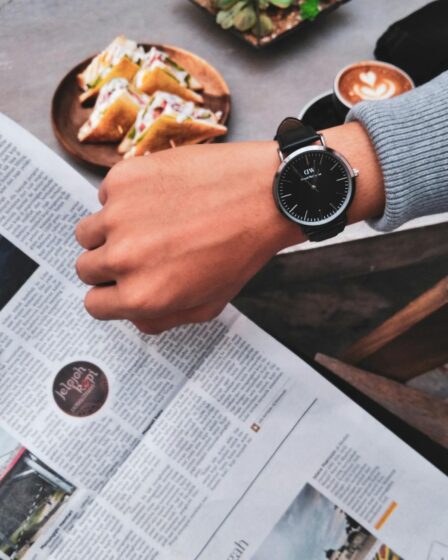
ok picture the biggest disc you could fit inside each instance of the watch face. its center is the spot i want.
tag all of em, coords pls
(313, 186)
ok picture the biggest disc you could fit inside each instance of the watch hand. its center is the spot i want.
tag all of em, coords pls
(312, 185)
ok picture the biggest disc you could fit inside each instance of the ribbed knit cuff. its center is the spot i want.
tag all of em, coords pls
(410, 136)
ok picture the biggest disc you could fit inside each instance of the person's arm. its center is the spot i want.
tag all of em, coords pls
(410, 137)
(183, 230)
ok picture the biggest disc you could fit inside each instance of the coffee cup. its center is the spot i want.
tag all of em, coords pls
(368, 80)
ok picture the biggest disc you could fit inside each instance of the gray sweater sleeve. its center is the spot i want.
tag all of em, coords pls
(410, 136)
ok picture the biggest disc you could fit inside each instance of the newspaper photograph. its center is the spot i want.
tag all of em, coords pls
(15, 269)
(31, 494)
(316, 529)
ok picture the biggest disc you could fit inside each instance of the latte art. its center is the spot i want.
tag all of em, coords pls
(370, 81)
(372, 88)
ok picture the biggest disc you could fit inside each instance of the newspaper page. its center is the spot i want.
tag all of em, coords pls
(211, 441)
(77, 395)
(235, 468)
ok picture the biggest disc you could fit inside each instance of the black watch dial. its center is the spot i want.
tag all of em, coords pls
(313, 187)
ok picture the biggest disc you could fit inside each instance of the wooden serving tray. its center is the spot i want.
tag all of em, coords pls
(67, 113)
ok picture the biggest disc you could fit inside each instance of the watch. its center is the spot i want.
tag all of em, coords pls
(314, 185)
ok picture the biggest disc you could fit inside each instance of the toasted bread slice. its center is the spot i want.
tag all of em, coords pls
(159, 79)
(167, 131)
(112, 127)
(126, 69)
(116, 109)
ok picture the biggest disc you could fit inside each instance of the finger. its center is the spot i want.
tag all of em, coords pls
(198, 314)
(103, 302)
(91, 267)
(118, 178)
(90, 231)
(102, 193)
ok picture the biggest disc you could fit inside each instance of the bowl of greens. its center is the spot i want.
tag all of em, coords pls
(262, 22)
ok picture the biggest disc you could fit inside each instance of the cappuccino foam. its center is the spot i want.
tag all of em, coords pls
(372, 82)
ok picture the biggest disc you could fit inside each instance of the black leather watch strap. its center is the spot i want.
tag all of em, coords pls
(292, 134)
(320, 233)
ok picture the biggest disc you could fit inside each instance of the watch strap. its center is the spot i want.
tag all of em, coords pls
(292, 134)
(320, 233)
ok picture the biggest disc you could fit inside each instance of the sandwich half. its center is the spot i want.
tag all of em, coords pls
(159, 72)
(119, 60)
(115, 111)
(169, 121)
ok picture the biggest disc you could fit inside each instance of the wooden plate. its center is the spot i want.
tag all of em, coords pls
(67, 113)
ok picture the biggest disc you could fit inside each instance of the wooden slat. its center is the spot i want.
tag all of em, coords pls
(316, 301)
(416, 311)
(356, 258)
(427, 414)
(420, 349)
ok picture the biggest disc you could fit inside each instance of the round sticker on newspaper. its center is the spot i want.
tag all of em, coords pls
(80, 389)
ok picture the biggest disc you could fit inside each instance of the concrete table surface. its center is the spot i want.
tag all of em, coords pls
(43, 39)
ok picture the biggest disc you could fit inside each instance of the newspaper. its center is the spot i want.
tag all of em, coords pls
(211, 441)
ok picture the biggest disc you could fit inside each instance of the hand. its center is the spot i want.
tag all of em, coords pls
(180, 233)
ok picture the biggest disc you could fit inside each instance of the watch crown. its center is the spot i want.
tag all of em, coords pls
(355, 172)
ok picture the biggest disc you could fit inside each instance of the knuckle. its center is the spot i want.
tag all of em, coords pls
(116, 258)
(109, 218)
(164, 296)
(113, 177)
(118, 176)
(120, 256)
(145, 297)
(135, 299)
(119, 168)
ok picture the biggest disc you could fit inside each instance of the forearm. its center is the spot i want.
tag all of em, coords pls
(410, 137)
(352, 141)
